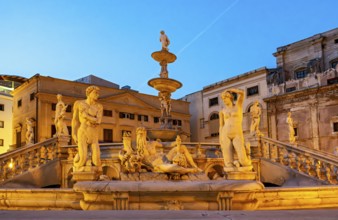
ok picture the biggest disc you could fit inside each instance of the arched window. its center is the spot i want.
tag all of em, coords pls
(214, 116)
(214, 125)
(333, 63)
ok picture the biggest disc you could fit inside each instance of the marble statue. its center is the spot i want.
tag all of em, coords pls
(129, 161)
(177, 161)
(289, 121)
(29, 131)
(255, 113)
(165, 101)
(231, 132)
(164, 40)
(60, 111)
(87, 115)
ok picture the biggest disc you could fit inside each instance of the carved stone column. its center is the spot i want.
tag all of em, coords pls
(314, 125)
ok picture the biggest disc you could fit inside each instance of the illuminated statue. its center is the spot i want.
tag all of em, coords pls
(60, 111)
(255, 113)
(29, 131)
(289, 121)
(231, 132)
(87, 116)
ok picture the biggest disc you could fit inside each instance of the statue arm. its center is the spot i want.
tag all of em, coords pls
(221, 121)
(99, 114)
(240, 96)
(75, 121)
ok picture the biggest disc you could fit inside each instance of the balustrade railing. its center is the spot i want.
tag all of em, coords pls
(317, 164)
(29, 157)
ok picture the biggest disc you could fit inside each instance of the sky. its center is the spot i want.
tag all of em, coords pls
(114, 39)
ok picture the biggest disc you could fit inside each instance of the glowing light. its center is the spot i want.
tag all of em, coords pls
(11, 164)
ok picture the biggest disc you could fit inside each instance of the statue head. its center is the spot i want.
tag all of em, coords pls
(178, 140)
(227, 95)
(162, 32)
(59, 97)
(92, 89)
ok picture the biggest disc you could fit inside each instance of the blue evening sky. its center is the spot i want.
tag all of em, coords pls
(113, 39)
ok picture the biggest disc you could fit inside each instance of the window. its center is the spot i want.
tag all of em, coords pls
(177, 122)
(214, 134)
(214, 116)
(336, 41)
(334, 63)
(213, 101)
(335, 126)
(32, 96)
(296, 131)
(1, 142)
(69, 108)
(202, 123)
(20, 103)
(142, 117)
(252, 91)
(301, 73)
(108, 135)
(156, 119)
(332, 81)
(2, 124)
(290, 89)
(127, 115)
(2, 107)
(108, 113)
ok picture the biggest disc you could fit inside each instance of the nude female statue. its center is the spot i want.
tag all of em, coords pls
(231, 132)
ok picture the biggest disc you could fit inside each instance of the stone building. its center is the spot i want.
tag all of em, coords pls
(205, 104)
(7, 85)
(124, 109)
(305, 83)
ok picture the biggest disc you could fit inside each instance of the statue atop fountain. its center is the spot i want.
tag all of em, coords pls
(165, 86)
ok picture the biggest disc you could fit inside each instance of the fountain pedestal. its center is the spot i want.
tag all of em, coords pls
(165, 86)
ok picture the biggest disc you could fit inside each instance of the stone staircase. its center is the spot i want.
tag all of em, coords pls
(30, 166)
(317, 165)
(50, 163)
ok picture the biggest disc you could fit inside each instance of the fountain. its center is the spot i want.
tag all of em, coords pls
(154, 179)
(165, 86)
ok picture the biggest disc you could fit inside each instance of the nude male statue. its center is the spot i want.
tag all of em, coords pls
(164, 40)
(87, 115)
(255, 113)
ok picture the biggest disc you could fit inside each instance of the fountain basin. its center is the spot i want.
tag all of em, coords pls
(163, 56)
(164, 135)
(165, 84)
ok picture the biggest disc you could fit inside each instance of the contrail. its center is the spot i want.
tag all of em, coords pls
(208, 27)
(201, 33)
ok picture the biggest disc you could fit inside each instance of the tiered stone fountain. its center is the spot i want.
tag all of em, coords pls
(165, 86)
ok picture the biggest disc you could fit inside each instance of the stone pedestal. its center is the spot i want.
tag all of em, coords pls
(86, 173)
(240, 175)
(255, 147)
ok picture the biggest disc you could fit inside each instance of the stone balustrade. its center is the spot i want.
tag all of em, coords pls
(23, 159)
(314, 163)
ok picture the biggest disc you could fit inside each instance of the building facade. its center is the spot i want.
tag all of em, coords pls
(123, 109)
(206, 104)
(7, 85)
(305, 84)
